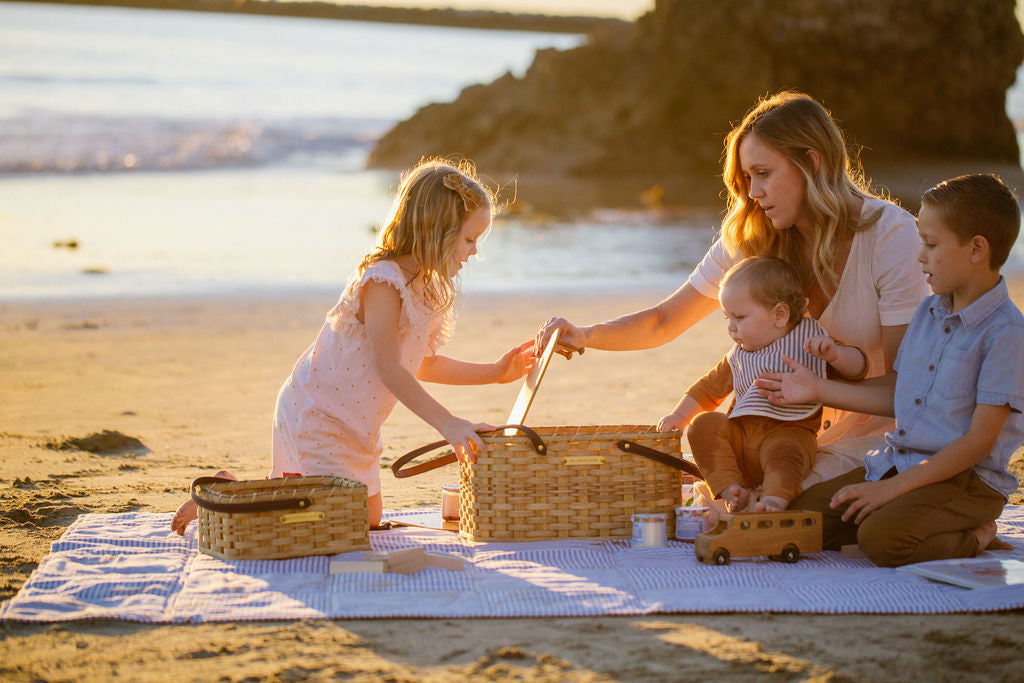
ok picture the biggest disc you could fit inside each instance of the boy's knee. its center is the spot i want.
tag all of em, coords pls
(884, 544)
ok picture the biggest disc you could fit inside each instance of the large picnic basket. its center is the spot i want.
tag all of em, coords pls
(563, 482)
(270, 519)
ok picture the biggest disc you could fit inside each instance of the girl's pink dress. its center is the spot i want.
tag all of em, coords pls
(330, 410)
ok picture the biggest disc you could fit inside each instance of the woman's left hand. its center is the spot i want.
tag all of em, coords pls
(515, 363)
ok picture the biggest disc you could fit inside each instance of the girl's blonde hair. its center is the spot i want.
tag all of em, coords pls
(431, 204)
(771, 281)
(793, 124)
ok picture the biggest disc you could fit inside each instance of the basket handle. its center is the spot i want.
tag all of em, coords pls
(284, 504)
(396, 467)
(658, 456)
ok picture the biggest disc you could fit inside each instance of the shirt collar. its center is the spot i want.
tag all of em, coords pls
(979, 310)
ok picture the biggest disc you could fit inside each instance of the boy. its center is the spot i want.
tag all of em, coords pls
(935, 489)
(757, 442)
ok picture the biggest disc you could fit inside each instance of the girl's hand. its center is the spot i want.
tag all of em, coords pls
(822, 347)
(515, 363)
(784, 388)
(672, 421)
(568, 333)
(463, 437)
(864, 498)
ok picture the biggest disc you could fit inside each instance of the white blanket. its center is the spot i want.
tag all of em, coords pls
(132, 566)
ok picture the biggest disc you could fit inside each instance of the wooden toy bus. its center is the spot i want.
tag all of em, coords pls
(782, 536)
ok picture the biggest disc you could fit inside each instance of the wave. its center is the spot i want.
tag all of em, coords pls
(49, 143)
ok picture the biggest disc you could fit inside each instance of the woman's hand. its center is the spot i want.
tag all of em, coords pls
(567, 333)
(463, 437)
(672, 421)
(515, 363)
(823, 347)
(784, 388)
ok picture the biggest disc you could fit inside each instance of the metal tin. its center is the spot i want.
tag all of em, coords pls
(648, 530)
(450, 502)
(691, 521)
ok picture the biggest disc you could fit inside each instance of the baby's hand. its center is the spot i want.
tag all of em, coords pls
(515, 363)
(672, 421)
(822, 347)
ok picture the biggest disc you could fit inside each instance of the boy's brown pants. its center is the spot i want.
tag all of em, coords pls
(933, 522)
(753, 450)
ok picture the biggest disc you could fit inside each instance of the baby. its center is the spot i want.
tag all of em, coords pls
(757, 442)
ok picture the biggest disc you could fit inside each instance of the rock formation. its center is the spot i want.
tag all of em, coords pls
(912, 83)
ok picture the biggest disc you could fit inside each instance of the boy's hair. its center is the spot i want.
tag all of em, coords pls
(431, 204)
(793, 123)
(978, 204)
(771, 281)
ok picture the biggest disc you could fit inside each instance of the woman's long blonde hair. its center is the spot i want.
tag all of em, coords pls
(431, 204)
(793, 123)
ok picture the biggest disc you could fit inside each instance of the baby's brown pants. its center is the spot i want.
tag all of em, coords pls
(752, 450)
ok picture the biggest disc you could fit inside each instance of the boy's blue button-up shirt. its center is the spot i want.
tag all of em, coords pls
(947, 364)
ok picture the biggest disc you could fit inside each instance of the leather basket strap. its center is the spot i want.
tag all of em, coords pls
(400, 471)
(658, 456)
(262, 506)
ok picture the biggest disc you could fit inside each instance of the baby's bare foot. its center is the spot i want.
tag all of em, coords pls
(736, 497)
(987, 539)
(187, 511)
(771, 504)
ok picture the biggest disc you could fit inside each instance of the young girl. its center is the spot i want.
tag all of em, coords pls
(757, 442)
(383, 336)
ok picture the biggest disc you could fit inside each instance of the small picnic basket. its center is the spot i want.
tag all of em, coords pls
(270, 519)
(563, 482)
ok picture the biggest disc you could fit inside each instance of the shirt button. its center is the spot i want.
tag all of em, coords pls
(826, 424)
(917, 401)
(931, 368)
(903, 432)
(764, 427)
(946, 330)
(902, 451)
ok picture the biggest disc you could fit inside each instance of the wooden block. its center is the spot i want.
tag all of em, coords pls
(449, 562)
(409, 565)
(358, 566)
(407, 555)
(852, 551)
(375, 555)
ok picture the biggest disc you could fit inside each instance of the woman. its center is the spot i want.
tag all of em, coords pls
(794, 193)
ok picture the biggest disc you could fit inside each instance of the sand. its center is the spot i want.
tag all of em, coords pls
(194, 381)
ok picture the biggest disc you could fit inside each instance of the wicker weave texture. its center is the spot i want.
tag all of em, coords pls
(583, 487)
(334, 522)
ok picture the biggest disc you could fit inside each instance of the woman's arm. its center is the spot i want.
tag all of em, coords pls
(382, 309)
(644, 329)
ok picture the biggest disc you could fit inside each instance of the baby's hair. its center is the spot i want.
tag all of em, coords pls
(771, 281)
(431, 204)
(978, 204)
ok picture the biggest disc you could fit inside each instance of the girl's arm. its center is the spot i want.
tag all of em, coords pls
(644, 329)
(986, 423)
(444, 370)
(382, 308)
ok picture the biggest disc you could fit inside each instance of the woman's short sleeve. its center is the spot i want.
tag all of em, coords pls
(896, 272)
(711, 269)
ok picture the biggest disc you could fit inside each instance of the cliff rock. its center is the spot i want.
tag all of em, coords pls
(911, 82)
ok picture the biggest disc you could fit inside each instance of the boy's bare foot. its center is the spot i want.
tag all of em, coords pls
(187, 510)
(987, 539)
(736, 497)
(771, 504)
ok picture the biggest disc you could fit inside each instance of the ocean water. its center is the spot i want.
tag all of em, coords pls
(193, 153)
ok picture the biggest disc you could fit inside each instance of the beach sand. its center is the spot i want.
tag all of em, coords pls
(195, 381)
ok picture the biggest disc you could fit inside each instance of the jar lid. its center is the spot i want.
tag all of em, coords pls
(450, 487)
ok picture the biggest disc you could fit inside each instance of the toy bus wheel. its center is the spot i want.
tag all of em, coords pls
(721, 556)
(790, 554)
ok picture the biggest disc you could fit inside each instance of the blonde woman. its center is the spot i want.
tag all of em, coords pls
(795, 193)
(382, 339)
